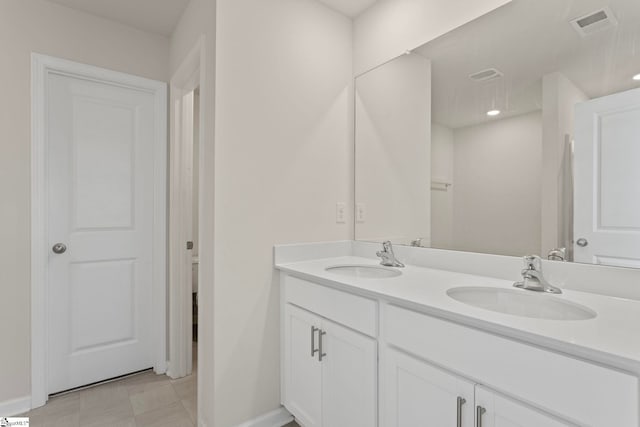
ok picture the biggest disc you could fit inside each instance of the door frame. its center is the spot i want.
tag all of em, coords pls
(187, 78)
(41, 67)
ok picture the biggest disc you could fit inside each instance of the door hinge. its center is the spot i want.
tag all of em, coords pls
(189, 245)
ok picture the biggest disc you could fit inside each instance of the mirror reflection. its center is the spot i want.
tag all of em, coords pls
(517, 133)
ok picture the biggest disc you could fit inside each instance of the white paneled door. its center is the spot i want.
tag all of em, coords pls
(607, 180)
(100, 140)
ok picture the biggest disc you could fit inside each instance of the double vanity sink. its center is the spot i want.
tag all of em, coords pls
(516, 302)
(369, 345)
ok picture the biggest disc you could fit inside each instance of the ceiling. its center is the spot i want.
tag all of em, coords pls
(527, 39)
(351, 8)
(166, 13)
(155, 16)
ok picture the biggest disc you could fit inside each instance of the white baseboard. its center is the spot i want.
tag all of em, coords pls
(14, 407)
(161, 368)
(277, 418)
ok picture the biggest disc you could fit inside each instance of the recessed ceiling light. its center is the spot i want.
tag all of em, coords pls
(493, 113)
(636, 77)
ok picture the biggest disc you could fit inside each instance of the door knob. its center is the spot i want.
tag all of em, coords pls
(582, 242)
(59, 248)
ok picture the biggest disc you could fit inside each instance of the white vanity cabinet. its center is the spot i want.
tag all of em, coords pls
(302, 370)
(348, 377)
(350, 360)
(496, 410)
(416, 393)
(329, 369)
(537, 387)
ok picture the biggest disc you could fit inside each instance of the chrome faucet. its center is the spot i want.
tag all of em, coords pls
(388, 257)
(557, 254)
(533, 278)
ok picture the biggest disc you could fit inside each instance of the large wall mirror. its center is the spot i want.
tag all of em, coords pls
(517, 133)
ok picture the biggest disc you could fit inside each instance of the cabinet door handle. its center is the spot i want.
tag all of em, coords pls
(321, 354)
(479, 412)
(461, 401)
(314, 350)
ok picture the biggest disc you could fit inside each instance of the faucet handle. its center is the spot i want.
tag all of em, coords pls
(532, 262)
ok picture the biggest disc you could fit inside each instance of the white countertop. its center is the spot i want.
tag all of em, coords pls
(611, 338)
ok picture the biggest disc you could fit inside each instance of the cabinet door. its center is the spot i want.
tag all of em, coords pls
(415, 393)
(501, 411)
(302, 370)
(349, 377)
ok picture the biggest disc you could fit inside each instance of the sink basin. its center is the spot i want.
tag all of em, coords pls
(521, 303)
(364, 271)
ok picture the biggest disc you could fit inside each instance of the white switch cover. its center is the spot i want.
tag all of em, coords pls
(360, 212)
(341, 213)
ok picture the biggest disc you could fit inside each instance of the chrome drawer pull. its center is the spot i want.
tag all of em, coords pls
(314, 350)
(461, 401)
(479, 412)
(321, 354)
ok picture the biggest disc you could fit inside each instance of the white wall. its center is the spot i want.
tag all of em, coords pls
(393, 145)
(198, 22)
(497, 186)
(442, 164)
(390, 27)
(559, 98)
(283, 159)
(47, 28)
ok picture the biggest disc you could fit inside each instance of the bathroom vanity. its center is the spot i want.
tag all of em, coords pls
(369, 346)
(514, 134)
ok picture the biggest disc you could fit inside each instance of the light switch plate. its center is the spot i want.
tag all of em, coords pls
(341, 213)
(360, 213)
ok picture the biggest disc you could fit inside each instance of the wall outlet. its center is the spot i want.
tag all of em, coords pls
(360, 213)
(341, 213)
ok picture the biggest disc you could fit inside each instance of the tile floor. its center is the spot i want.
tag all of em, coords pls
(143, 400)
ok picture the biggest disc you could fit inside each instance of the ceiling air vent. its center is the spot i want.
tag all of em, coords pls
(484, 75)
(596, 21)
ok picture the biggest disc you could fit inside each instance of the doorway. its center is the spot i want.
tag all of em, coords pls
(184, 241)
(98, 225)
(185, 207)
(606, 203)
